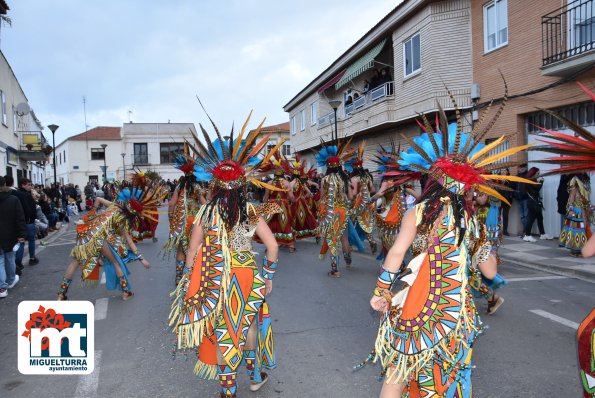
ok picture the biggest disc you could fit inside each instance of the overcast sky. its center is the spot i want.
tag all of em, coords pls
(153, 57)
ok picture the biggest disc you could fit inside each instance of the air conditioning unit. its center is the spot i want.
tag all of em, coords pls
(475, 91)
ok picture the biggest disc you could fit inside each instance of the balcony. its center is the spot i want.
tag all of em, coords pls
(326, 119)
(568, 38)
(370, 97)
(33, 146)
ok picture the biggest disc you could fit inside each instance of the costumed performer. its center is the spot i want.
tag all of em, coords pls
(218, 307)
(303, 219)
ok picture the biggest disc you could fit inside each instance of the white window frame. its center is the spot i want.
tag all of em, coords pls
(313, 113)
(292, 125)
(302, 120)
(418, 70)
(4, 116)
(494, 3)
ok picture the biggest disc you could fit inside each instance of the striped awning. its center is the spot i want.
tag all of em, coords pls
(332, 81)
(361, 65)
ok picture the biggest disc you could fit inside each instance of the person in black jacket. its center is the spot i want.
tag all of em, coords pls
(13, 230)
(534, 206)
(562, 196)
(30, 210)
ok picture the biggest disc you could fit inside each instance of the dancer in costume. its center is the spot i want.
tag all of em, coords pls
(303, 220)
(396, 193)
(489, 216)
(334, 202)
(145, 228)
(219, 307)
(183, 206)
(427, 331)
(576, 230)
(361, 189)
(96, 234)
(282, 195)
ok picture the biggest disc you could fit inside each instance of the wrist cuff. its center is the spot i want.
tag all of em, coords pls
(269, 268)
(385, 280)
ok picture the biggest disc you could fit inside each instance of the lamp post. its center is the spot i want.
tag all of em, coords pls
(53, 128)
(104, 165)
(123, 165)
(335, 104)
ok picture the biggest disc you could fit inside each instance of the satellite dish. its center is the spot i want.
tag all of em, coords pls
(23, 109)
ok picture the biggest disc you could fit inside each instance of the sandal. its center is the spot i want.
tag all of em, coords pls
(127, 296)
(494, 304)
(334, 274)
(576, 254)
(62, 297)
(292, 249)
(255, 386)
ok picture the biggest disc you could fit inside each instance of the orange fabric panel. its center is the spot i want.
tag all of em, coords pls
(207, 351)
(418, 293)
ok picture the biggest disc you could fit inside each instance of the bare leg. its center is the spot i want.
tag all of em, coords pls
(391, 390)
(180, 264)
(346, 249)
(105, 250)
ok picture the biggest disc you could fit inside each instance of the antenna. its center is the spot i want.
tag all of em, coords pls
(23, 109)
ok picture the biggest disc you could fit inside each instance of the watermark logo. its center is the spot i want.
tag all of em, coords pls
(56, 337)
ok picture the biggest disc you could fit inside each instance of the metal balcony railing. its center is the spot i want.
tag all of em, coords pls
(568, 31)
(326, 119)
(369, 97)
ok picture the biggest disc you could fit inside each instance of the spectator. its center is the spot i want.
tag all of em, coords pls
(508, 195)
(13, 231)
(41, 221)
(49, 212)
(562, 196)
(79, 197)
(89, 191)
(375, 82)
(367, 86)
(29, 208)
(534, 206)
(521, 195)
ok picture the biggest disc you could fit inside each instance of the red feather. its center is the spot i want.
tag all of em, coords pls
(462, 172)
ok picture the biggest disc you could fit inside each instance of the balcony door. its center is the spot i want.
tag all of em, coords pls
(141, 153)
(581, 25)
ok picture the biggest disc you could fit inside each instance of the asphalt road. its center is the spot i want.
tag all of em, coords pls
(323, 327)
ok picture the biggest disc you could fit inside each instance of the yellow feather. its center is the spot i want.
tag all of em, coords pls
(261, 184)
(495, 158)
(251, 138)
(272, 152)
(487, 148)
(508, 178)
(259, 146)
(492, 192)
(236, 146)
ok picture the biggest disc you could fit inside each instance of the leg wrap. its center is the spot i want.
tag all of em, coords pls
(227, 379)
(179, 270)
(347, 257)
(250, 358)
(64, 285)
(124, 284)
(334, 263)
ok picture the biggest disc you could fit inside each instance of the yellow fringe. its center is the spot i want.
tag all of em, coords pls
(205, 371)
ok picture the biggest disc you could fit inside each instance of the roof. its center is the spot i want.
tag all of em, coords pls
(98, 133)
(378, 32)
(277, 128)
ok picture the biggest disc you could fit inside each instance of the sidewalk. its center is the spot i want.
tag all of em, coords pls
(545, 255)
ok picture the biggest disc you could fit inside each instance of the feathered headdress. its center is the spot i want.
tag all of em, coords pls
(357, 161)
(232, 162)
(576, 153)
(387, 165)
(335, 152)
(140, 200)
(298, 167)
(458, 160)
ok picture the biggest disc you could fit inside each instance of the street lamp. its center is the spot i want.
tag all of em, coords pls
(335, 104)
(104, 165)
(53, 128)
(123, 166)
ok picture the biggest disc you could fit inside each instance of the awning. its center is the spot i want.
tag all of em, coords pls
(361, 65)
(332, 81)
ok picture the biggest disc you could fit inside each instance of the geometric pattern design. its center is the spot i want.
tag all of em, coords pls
(363, 210)
(574, 233)
(332, 214)
(280, 223)
(266, 343)
(388, 225)
(304, 221)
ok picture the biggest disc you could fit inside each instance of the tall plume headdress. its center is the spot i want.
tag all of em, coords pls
(576, 154)
(387, 165)
(335, 153)
(458, 160)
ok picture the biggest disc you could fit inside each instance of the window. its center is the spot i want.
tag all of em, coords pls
(141, 154)
(495, 25)
(292, 125)
(583, 114)
(286, 150)
(412, 55)
(271, 144)
(60, 158)
(504, 146)
(302, 120)
(169, 151)
(313, 113)
(64, 156)
(4, 117)
(97, 154)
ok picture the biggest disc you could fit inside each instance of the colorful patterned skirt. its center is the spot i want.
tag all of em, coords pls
(304, 221)
(574, 232)
(281, 225)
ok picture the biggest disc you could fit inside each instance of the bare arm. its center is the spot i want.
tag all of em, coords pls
(174, 199)
(289, 187)
(134, 248)
(267, 193)
(101, 201)
(268, 239)
(588, 249)
(380, 191)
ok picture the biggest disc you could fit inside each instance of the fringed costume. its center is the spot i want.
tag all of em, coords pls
(280, 223)
(304, 220)
(362, 209)
(333, 207)
(98, 229)
(145, 228)
(426, 336)
(576, 229)
(221, 296)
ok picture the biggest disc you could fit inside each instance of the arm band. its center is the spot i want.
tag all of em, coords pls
(269, 268)
(384, 282)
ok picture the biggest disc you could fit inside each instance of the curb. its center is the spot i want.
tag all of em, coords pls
(572, 273)
(49, 240)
